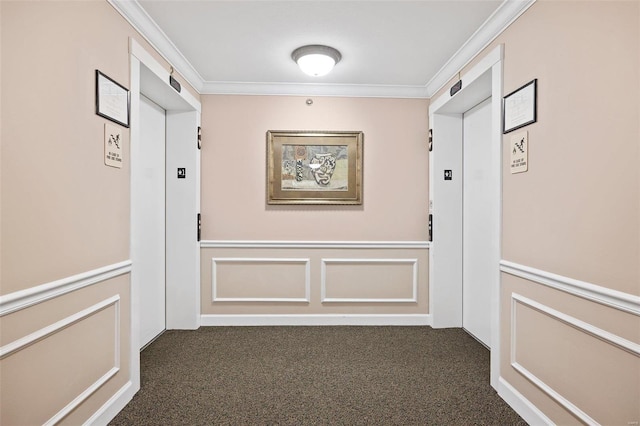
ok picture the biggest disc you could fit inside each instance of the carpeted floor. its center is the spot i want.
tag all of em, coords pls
(316, 376)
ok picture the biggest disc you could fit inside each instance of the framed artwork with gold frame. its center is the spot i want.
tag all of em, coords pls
(314, 167)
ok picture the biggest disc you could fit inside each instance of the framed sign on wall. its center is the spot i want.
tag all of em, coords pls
(112, 100)
(520, 107)
(314, 167)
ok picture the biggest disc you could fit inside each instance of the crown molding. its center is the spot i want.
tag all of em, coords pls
(133, 12)
(313, 89)
(503, 16)
(506, 13)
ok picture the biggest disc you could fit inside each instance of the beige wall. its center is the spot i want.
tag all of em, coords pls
(64, 212)
(576, 212)
(395, 178)
(395, 185)
(55, 186)
(580, 196)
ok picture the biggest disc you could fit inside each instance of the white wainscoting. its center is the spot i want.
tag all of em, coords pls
(316, 320)
(577, 324)
(247, 262)
(617, 300)
(14, 302)
(396, 272)
(378, 264)
(16, 346)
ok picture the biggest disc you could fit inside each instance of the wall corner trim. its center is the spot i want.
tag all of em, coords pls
(314, 244)
(605, 296)
(22, 299)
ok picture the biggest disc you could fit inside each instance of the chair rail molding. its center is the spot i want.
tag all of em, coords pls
(22, 299)
(605, 296)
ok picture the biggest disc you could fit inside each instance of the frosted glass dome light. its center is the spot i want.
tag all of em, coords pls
(316, 60)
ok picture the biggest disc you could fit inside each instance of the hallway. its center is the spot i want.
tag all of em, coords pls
(316, 376)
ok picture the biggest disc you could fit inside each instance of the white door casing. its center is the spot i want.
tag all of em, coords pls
(483, 80)
(182, 254)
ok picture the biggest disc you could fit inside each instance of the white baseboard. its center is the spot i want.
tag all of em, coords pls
(113, 406)
(521, 405)
(308, 320)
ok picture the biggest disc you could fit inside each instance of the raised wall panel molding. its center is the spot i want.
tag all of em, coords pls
(323, 280)
(605, 336)
(313, 320)
(598, 333)
(43, 333)
(615, 299)
(133, 12)
(39, 335)
(315, 244)
(214, 279)
(506, 13)
(18, 300)
(82, 397)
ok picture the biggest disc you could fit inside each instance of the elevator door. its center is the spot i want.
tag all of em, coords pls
(151, 260)
(477, 264)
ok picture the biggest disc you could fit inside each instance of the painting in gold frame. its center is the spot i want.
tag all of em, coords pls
(314, 167)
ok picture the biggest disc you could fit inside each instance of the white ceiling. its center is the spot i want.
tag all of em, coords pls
(389, 48)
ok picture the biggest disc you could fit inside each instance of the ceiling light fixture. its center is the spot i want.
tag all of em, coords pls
(316, 60)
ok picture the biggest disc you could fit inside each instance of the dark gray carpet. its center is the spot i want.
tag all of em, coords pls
(316, 376)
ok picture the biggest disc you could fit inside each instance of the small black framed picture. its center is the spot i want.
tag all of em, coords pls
(519, 108)
(112, 100)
